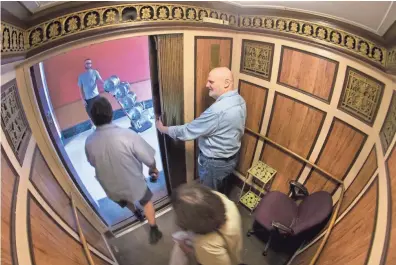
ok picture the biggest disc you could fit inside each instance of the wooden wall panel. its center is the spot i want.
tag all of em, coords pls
(351, 239)
(50, 190)
(360, 181)
(210, 52)
(92, 235)
(308, 73)
(98, 261)
(342, 146)
(305, 257)
(256, 98)
(9, 186)
(296, 126)
(390, 253)
(204, 53)
(49, 243)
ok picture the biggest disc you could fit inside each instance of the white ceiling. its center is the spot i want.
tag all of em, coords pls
(376, 17)
(36, 6)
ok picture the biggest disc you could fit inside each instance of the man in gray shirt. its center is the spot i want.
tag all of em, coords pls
(87, 84)
(117, 154)
(219, 129)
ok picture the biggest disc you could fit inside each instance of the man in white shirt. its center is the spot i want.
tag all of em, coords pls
(87, 84)
(118, 155)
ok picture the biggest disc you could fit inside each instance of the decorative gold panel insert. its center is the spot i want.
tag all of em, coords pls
(13, 120)
(12, 39)
(361, 95)
(391, 59)
(257, 59)
(388, 129)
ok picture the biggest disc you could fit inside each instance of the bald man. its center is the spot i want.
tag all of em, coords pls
(219, 129)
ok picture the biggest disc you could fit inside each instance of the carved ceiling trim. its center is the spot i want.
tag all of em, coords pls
(17, 40)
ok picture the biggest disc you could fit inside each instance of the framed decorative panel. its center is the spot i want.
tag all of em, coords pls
(296, 126)
(13, 120)
(9, 189)
(256, 98)
(256, 59)
(308, 73)
(339, 152)
(361, 95)
(50, 190)
(49, 242)
(388, 129)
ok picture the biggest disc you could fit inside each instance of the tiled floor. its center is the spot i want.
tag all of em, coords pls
(110, 211)
(133, 248)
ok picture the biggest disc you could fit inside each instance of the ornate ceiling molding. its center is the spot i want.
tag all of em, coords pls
(17, 40)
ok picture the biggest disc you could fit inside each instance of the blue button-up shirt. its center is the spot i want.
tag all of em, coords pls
(219, 129)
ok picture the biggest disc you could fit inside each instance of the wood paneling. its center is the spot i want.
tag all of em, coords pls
(305, 257)
(49, 243)
(390, 253)
(307, 72)
(351, 239)
(296, 126)
(205, 57)
(203, 65)
(364, 175)
(50, 190)
(98, 261)
(9, 186)
(93, 236)
(255, 98)
(342, 146)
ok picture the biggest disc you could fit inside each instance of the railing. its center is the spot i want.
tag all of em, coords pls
(340, 182)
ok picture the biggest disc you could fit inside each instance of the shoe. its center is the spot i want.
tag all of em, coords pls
(155, 235)
(138, 214)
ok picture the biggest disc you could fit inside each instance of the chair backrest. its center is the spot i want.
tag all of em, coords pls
(312, 211)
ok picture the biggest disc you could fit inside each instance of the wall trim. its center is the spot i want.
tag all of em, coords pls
(336, 35)
(301, 90)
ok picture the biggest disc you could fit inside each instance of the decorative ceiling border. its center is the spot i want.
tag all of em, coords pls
(16, 40)
(314, 31)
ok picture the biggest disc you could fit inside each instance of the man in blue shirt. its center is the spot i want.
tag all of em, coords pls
(219, 129)
(87, 84)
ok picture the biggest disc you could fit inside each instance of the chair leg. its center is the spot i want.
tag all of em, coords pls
(265, 252)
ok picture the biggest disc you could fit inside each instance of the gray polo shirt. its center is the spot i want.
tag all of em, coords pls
(118, 155)
(87, 81)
